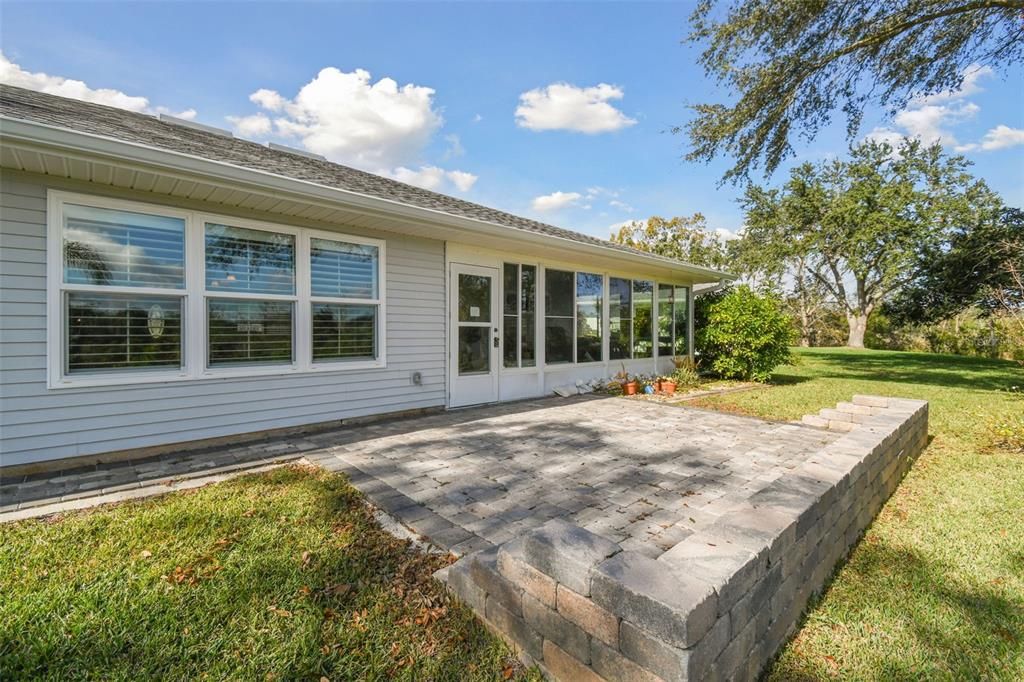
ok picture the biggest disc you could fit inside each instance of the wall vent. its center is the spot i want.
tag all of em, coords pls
(175, 121)
(292, 150)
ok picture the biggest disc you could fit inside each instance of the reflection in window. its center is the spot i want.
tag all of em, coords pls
(681, 316)
(108, 247)
(344, 331)
(474, 298)
(620, 319)
(589, 303)
(474, 350)
(343, 270)
(519, 315)
(665, 320)
(110, 332)
(249, 332)
(249, 261)
(643, 322)
(558, 316)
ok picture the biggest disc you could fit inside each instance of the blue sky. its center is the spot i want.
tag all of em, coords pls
(588, 153)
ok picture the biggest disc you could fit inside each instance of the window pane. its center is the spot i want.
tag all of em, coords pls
(620, 321)
(509, 339)
(643, 324)
(528, 335)
(344, 331)
(120, 248)
(474, 350)
(252, 261)
(511, 289)
(343, 270)
(558, 293)
(682, 320)
(557, 340)
(528, 302)
(249, 332)
(665, 320)
(474, 298)
(589, 303)
(107, 332)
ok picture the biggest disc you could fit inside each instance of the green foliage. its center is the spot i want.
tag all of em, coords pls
(746, 335)
(685, 238)
(977, 264)
(686, 374)
(793, 64)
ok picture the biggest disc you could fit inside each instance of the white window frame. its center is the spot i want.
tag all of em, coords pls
(536, 367)
(194, 297)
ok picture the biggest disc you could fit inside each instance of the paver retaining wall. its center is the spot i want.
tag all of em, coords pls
(719, 604)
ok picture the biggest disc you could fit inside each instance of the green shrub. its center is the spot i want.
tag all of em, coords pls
(743, 335)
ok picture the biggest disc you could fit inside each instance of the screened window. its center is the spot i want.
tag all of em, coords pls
(643, 319)
(620, 318)
(559, 316)
(144, 293)
(589, 311)
(345, 300)
(519, 310)
(673, 320)
(122, 290)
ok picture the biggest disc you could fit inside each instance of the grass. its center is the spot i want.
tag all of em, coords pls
(935, 590)
(283, 575)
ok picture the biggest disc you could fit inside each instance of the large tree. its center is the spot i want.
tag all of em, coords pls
(857, 226)
(686, 238)
(978, 265)
(793, 63)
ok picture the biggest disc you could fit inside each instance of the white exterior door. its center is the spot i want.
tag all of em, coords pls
(474, 341)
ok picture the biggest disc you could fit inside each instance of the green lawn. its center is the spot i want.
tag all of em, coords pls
(935, 590)
(283, 575)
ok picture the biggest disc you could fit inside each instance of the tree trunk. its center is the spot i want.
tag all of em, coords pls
(858, 325)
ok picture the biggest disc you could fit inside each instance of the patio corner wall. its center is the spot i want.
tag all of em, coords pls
(718, 605)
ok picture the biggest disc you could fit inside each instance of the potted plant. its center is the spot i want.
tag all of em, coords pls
(629, 384)
(666, 385)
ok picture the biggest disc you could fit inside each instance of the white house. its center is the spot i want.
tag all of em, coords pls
(164, 282)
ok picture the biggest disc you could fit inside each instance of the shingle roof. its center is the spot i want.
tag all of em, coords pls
(129, 126)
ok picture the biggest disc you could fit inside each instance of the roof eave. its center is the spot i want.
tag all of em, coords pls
(32, 133)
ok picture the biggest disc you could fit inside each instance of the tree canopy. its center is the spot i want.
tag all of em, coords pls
(977, 265)
(685, 238)
(857, 227)
(794, 63)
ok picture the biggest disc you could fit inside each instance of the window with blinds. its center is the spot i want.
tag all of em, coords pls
(259, 296)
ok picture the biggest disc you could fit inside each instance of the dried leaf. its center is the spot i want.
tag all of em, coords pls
(279, 612)
(145, 554)
(338, 590)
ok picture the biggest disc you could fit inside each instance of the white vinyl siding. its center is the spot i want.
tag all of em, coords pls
(38, 424)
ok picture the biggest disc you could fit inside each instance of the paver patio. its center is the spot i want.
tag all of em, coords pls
(642, 474)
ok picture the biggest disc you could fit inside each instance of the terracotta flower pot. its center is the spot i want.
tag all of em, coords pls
(629, 388)
(668, 387)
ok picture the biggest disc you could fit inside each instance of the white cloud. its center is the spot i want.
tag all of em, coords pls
(1000, 137)
(12, 74)
(621, 205)
(348, 118)
(477, 118)
(563, 106)
(455, 148)
(555, 201)
(615, 227)
(929, 118)
(434, 178)
(726, 235)
(256, 125)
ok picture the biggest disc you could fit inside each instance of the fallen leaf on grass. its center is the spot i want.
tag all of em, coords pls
(145, 554)
(338, 590)
(833, 664)
(279, 612)
(508, 672)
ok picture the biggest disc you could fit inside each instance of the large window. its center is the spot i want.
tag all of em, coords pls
(589, 311)
(673, 320)
(519, 315)
(143, 293)
(629, 318)
(558, 316)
